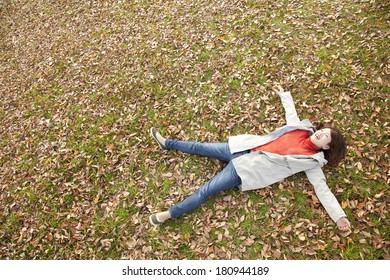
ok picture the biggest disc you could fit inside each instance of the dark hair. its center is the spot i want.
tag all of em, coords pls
(337, 147)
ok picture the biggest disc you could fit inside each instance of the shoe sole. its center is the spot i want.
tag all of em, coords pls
(153, 220)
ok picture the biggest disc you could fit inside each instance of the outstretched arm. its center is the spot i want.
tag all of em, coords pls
(327, 198)
(288, 104)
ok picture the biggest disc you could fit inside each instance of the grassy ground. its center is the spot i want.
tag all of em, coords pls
(82, 82)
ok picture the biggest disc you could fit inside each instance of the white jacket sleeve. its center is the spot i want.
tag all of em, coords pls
(289, 107)
(328, 200)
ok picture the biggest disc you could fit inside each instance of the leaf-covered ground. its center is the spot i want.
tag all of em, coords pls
(82, 82)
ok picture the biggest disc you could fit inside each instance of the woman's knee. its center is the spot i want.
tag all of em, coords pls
(202, 195)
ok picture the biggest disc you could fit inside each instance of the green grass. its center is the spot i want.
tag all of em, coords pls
(82, 84)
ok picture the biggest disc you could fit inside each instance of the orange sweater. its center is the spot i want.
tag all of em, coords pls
(296, 142)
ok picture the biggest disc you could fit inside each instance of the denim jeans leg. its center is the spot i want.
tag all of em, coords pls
(225, 180)
(220, 151)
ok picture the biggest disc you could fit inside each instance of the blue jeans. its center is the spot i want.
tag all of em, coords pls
(226, 179)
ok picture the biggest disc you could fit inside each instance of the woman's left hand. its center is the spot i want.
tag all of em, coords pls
(343, 224)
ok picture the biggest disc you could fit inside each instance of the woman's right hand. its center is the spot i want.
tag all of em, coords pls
(277, 89)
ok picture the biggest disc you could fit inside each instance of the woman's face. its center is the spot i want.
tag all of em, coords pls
(322, 138)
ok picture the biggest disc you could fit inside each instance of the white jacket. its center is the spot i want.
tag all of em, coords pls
(261, 169)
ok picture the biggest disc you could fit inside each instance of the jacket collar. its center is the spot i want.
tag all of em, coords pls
(318, 157)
